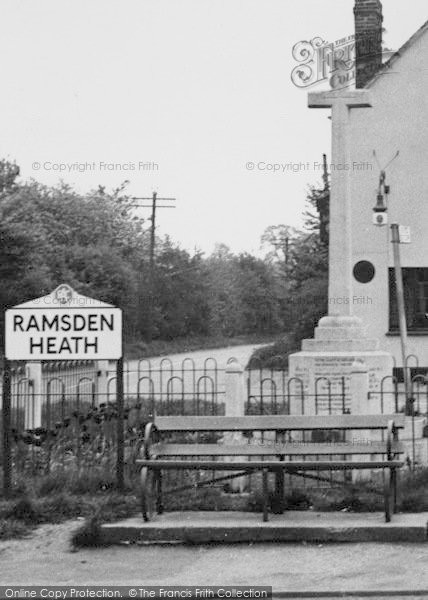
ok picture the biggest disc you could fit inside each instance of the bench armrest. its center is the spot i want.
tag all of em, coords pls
(149, 432)
(392, 436)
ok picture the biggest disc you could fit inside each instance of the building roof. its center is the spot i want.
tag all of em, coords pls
(397, 55)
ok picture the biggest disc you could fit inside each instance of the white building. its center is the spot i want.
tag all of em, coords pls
(387, 114)
(397, 121)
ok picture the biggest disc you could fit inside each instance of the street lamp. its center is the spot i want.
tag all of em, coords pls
(399, 235)
(380, 215)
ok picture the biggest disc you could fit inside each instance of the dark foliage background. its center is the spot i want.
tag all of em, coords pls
(98, 244)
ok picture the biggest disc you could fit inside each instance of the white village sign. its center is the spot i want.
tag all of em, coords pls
(63, 326)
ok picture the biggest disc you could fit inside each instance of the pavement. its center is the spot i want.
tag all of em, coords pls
(292, 526)
(295, 570)
(46, 557)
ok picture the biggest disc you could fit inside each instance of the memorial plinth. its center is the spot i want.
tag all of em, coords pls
(328, 359)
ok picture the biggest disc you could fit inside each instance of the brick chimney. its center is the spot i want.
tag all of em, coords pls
(368, 39)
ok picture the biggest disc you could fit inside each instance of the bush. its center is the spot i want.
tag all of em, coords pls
(414, 479)
(11, 528)
(275, 356)
(57, 508)
(297, 500)
(116, 506)
(92, 482)
(51, 484)
(352, 498)
(83, 482)
(25, 510)
(104, 509)
(413, 500)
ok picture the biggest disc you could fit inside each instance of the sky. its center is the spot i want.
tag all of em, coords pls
(192, 99)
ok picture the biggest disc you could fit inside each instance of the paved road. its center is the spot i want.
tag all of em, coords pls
(45, 558)
(203, 361)
(221, 355)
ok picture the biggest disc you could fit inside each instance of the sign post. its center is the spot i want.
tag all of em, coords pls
(120, 416)
(7, 442)
(64, 325)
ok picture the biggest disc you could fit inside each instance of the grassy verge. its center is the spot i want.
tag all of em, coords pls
(58, 497)
(18, 517)
(364, 496)
(140, 349)
(54, 499)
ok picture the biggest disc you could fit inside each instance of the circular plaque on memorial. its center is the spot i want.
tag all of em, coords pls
(364, 271)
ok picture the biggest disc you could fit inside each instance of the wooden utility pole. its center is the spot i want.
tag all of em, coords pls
(323, 204)
(154, 206)
(325, 173)
(152, 235)
(283, 244)
(395, 239)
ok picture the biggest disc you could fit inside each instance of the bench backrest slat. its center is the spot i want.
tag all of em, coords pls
(312, 449)
(277, 422)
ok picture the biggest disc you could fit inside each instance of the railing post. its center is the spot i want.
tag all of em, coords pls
(359, 385)
(102, 367)
(234, 406)
(33, 404)
(235, 392)
(359, 388)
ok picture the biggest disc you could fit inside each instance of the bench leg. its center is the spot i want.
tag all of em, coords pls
(389, 494)
(265, 495)
(147, 493)
(159, 505)
(394, 476)
(279, 491)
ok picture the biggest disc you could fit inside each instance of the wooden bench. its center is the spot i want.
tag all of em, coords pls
(158, 452)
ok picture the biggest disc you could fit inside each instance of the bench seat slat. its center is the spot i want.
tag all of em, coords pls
(272, 449)
(326, 465)
(277, 422)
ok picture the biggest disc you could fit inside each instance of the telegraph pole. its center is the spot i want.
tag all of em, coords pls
(323, 204)
(395, 239)
(152, 235)
(153, 206)
(325, 173)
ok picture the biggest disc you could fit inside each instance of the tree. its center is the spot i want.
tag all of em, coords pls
(51, 235)
(258, 304)
(301, 260)
(224, 307)
(94, 241)
(8, 174)
(180, 289)
(309, 288)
